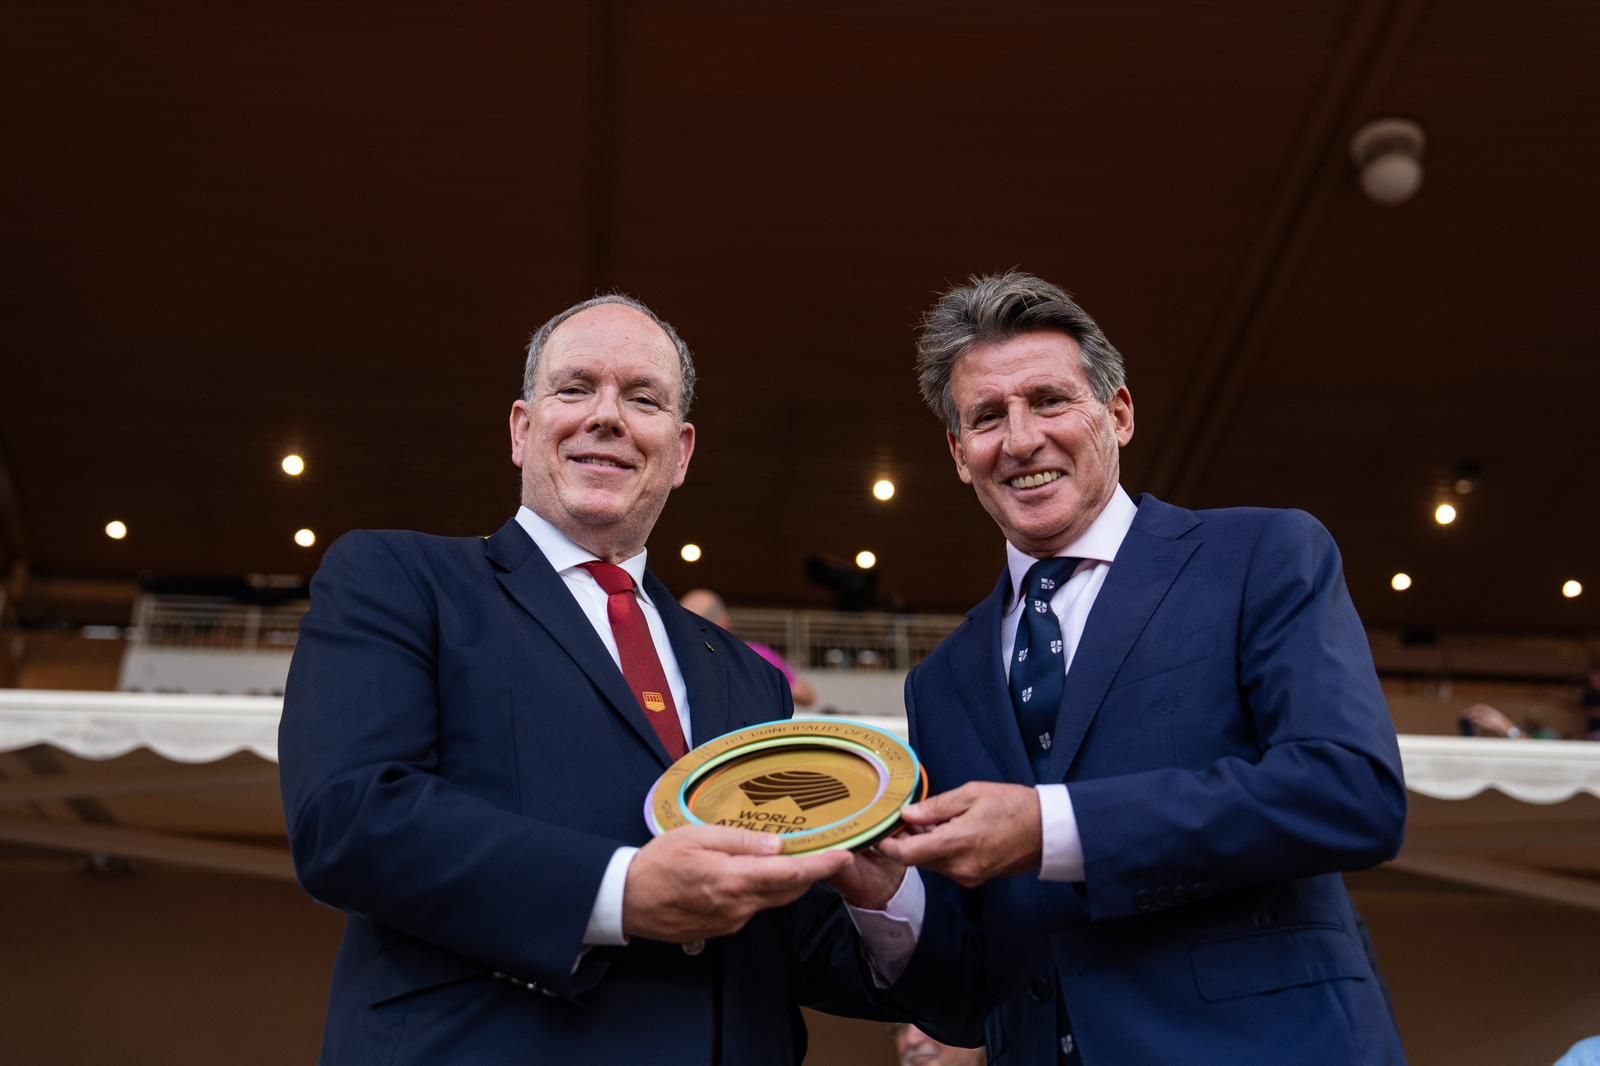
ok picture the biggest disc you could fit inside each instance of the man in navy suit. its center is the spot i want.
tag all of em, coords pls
(469, 732)
(1166, 730)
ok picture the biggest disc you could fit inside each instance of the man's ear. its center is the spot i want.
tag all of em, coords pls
(959, 454)
(685, 450)
(1122, 415)
(520, 421)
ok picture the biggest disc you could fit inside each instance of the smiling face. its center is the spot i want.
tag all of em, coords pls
(1035, 445)
(601, 444)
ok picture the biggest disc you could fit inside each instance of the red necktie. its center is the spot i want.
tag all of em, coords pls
(640, 664)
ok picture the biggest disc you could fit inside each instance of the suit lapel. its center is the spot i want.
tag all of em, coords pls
(1144, 569)
(525, 574)
(705, 678)
(981, 682)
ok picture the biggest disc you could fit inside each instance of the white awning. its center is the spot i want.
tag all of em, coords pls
(103, 725)
(1520, 816)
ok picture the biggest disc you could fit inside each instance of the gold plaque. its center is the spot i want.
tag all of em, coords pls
(818, 784)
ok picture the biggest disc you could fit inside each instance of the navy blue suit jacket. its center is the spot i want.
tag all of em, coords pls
(460, 758)
(1228, 750)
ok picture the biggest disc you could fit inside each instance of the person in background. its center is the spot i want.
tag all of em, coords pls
(1486, 720)
(709, 605)
(916, 1048)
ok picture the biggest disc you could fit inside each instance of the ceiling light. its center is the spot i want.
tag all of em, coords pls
(866, 560)
(1444, 514)
(1572, 589)
(1388, 152)
(293, 465)
(305, 538)
(883, 489)
(690, 553)
(116, 530)
(1400, 582)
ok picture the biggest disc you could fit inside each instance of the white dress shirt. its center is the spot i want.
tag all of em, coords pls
(567, 559)
(1062, 846)
(890, 935)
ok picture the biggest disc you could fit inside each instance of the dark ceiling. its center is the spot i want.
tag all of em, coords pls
(237, 230)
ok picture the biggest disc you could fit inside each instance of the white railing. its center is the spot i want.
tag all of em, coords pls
(200, 622)
(808, 639)
(825, 640)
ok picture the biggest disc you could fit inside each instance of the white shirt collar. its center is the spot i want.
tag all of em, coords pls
(564, 555)
(1099, 542)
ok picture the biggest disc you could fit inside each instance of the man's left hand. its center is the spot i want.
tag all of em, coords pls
(971, 834)
(870, 881)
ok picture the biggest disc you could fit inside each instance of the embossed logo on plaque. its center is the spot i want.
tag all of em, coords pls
(807, 788)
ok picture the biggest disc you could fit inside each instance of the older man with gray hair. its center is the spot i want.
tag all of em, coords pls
(1162, 735)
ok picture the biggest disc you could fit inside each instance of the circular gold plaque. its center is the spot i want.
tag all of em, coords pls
(817, 784)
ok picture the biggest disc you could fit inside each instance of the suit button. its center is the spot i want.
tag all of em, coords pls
(1039, 989)
(694, 947)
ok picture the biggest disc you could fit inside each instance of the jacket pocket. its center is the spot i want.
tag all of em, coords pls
(1271, 959)
(1159, 658)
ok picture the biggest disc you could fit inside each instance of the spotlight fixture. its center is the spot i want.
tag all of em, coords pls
(883, 489)
(1388, 153)
(690, 553)
(866, 560)
(293, 465)
(116, 529)
(1400, 582)
(305, 538)
(1572, 589)
(1444, 514)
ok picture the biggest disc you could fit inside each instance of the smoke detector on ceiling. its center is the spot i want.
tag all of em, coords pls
(1388, 153)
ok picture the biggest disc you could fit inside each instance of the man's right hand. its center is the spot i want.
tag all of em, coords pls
(708, 880)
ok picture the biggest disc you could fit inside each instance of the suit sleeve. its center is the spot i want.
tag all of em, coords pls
(1323, 794)
(375, 829)
(942, 986)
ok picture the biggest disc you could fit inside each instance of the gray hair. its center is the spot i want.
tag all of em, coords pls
(541, 337)
(991, 310)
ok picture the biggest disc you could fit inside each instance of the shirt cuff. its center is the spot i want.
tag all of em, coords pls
(890, 935)
(605, 920)
(1061, 856)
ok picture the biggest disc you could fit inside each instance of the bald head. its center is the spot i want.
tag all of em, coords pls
(707, 605)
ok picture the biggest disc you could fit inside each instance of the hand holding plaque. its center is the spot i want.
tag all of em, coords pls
(815, 785)
(705, 881)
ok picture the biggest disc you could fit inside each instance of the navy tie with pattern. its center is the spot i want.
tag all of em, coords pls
(1038, 670)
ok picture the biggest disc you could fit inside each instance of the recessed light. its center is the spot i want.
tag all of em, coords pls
(690, 553)
(1572, 589)
(116, 530)
(866, 560)
(883, 489)
(293, 465)
(1444, 514)
(305, 538)
(1400, 582)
